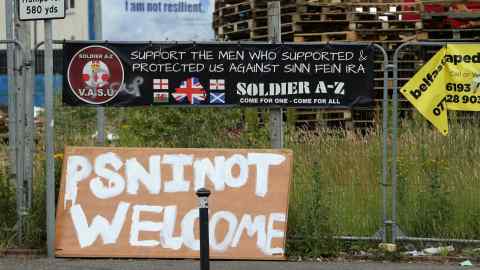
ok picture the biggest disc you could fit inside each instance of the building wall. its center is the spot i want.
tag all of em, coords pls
(2, 19)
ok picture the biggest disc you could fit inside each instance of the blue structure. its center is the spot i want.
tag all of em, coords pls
(39, 94)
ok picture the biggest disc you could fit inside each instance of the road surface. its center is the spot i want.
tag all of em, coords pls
(18, 263)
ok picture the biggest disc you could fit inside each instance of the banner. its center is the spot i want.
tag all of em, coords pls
(162, 20)
(141, 202)
(222, 74)
(449, 81)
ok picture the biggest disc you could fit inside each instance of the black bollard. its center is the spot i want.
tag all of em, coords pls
(203, 194)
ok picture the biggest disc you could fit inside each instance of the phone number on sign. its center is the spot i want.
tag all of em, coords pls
(463, 99)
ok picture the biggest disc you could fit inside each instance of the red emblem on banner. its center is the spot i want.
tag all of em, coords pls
(95, 74)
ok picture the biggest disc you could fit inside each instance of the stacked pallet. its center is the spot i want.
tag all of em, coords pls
(451, 21)
(241, 20)
(385, 22)
(320, 21)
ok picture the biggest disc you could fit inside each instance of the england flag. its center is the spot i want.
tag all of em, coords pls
(160, 84)
(217, 84)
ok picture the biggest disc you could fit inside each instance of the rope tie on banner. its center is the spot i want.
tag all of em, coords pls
(328, 44)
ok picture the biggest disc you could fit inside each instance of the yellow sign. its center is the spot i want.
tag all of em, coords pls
(449, 81)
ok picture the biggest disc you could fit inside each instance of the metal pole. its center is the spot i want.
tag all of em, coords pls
(12, 103)
(97, 35)
(394, 143)
(204, 233)
(385, 142)
(19, 31)
(28, 78)
(275, 36)
(49, 138)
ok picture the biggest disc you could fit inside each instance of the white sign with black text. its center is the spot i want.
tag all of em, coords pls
(41, 9)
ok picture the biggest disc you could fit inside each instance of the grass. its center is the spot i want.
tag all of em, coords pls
(336, 185)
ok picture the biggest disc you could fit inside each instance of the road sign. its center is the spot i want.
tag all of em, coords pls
(41, 9)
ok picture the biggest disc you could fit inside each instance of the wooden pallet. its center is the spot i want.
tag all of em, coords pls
(263, 12)
(330, 36)
(327, 1)
(223, 3)
(365, 118)
(261, 33)
(263, 21)
(312, 118)
(315, 16)
(451, 34)
(385, 25)
(380, 16)
(262, 4)
(232, 9)
(235, 27)
(388, 36)
(307, 7)
(312, 26)
(232, 18)
(383, 7)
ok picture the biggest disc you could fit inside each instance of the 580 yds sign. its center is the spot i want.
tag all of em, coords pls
(41, 9)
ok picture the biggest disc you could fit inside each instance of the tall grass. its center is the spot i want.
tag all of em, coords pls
(336, 180)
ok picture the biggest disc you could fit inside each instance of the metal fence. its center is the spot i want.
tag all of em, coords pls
(378, 217)
(438, 211)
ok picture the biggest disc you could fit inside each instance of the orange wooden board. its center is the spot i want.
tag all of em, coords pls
(141, 202)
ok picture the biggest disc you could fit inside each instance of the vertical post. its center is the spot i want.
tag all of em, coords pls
(19, 33)
(275, 36)
(204, 233)
(12, 103)
(28, 78)
(95, 29)
(49, 139)
(394, 142)
(386, 68)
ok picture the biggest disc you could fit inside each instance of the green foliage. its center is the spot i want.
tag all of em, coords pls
(336, 182)
(309, 219)
(7, 202)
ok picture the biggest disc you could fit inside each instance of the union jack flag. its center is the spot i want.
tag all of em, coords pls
(190, 91)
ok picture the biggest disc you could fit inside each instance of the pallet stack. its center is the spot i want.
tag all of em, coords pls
(320, 21)
(451, 20)
(240, 20)
(388, 23)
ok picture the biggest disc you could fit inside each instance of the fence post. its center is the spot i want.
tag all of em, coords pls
(28, 78)
(19, 34)
(275, 36)
(204, 232)
(12, 115)
(95, 29)
(49, 139)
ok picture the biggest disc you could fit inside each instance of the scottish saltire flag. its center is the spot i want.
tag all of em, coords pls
(190, 91)
(217, 98)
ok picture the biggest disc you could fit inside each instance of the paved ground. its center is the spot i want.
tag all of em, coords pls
(64, 264)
